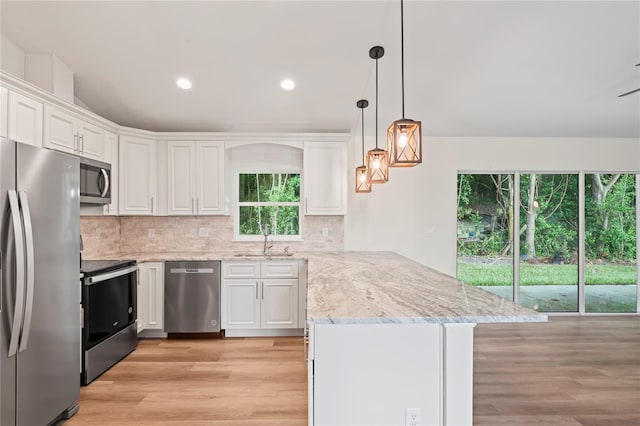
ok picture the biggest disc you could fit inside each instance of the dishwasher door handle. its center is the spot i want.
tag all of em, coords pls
(191, 270)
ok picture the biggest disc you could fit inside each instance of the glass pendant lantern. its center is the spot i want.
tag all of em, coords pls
(378, 158)
(404, 136)
(362, 180)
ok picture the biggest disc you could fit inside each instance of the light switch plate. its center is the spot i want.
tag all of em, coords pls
(203, 232)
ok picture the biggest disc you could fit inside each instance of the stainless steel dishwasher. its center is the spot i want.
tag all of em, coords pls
(192, 296)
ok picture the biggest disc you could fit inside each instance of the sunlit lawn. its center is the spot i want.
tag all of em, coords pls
(544, 274)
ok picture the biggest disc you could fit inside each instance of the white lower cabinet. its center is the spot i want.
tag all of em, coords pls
(260, 295)
(240, 304)
(150, 296)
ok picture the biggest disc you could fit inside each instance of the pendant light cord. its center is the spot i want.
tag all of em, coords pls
(363, 136)
(376, 103)
(402, 50)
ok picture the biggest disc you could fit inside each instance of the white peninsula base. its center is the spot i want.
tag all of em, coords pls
(380, 374)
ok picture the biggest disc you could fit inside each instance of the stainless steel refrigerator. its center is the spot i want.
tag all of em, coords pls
(39, 285)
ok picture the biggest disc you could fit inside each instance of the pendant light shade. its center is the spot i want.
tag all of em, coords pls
(404, 139)
(404, 136)
(377, 159)
(362, 178)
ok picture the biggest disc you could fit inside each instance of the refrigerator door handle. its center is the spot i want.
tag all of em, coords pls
(20, 269)
(28, 236)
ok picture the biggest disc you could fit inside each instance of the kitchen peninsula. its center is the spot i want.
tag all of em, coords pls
(391, 339)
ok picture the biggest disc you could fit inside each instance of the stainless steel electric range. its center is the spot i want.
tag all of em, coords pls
(109, 328)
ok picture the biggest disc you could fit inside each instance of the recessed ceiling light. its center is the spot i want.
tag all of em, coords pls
(183, 83)
(287, 84)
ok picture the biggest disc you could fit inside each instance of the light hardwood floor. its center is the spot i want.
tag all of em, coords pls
(568, 372)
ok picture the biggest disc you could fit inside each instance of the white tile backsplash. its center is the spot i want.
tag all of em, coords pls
(104, 235)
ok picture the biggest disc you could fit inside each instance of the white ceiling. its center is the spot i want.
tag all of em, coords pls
(507, 68)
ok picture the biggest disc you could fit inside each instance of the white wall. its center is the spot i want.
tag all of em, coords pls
(11, 58)
(414, 214)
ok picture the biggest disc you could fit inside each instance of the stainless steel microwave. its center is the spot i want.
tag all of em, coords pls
(95, 182)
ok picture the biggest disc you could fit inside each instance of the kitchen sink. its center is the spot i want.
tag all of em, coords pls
(261, 254)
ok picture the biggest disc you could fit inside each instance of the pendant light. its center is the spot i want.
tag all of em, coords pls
(377, 159)
(404, 136)
(362, 180)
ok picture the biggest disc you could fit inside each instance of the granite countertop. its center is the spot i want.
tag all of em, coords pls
(384, 287)
(377, 287)
(221, 255)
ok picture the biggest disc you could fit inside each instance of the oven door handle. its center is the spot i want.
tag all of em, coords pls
(109, 275)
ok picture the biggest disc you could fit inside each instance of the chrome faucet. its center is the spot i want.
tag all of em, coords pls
(267, 244)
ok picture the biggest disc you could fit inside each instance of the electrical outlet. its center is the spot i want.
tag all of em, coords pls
(325, 231)
(203, 232)
(413, 417)
(151, 233)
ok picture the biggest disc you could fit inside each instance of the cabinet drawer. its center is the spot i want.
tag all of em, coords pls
(280, 270)
(241, 270)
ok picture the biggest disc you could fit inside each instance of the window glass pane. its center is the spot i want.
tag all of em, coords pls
(279, 220)
(485, 229)
(549, 242)
(610, 242)
(269, 187)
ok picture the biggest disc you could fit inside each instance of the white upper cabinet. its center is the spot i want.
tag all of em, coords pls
(137, 167)
(325, 178)
(210, 178)
(4, 103)
(60, 130)
(111, 157)
(181, 158)
(64, 132)
(195, 178)
(24, 119)
(91, 140)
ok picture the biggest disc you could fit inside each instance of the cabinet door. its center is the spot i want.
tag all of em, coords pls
(91, 140)
(210, 178)
(143, 285)
(153, 278)
(325, 178)
(240, 304)
(60, 131)
(181, 157)
(279, 303)
(4, 104)
(137, 166)
(25, 119)
(111, 156)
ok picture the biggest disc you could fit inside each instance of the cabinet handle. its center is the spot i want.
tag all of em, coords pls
(306, 205)
(152, 205)
(262, 290)
(193, 210)
(256, 290)
(75, 142)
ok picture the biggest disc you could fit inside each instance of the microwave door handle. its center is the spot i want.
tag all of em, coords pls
(28, 236)
(20, 269)
(105, 175)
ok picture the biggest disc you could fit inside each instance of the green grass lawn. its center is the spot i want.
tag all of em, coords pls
(544, 274)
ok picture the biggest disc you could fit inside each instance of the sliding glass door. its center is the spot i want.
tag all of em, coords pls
(610, 243)
(485, 231)
(551, 242)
